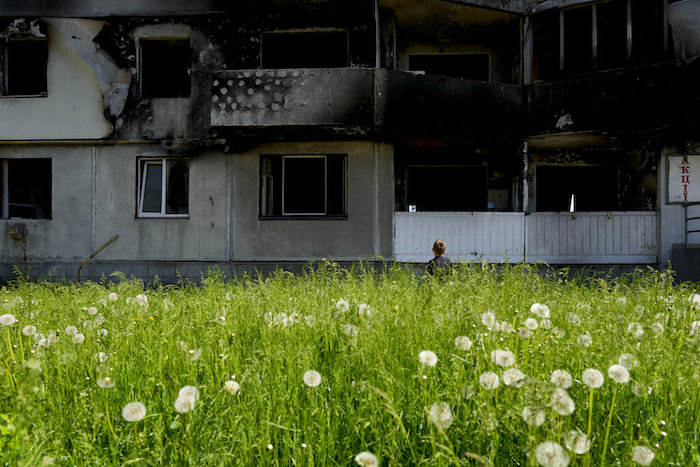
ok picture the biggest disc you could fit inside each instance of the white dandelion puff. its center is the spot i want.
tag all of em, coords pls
(505, 327)
(350, 330)
(232, 387)
(531, 324)
(524, 333)
(562, 403)
(342, 305)
(503, 358)
(488, 319)
(640, 389)
(441, 415)
(489, 380)
(102, 332)
(463, 343)
(134, 412)
(142, 300)
(33, 364)
(539, 309)
(364, 309)
(584, 340)
(281, 319)
(184, 404)
(99, 320)
(551, 454)
(195, 354)
(627, 360)
(657, 328)
(695, 328)
(573, 318)
(29, 330)
(312, 378)
(592, 378)
(642, 455)
(558, 333)
(78, 338)
(534, 416)
(189, 391)
(71, 330)
(309, 320)
(101, 357)
(545, 323)
(561, 379)
(428, 358)
(514, 378)
(367, 459)
(577, 442)
(92, 310)
(695, 301)
(105, 383)
(619, 374)
(636, 330)
(113, 296)
(8, 319)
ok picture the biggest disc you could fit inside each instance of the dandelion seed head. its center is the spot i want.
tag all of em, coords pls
(627, 360)
(184, 404)
(105, 383)
(29, 330)
(545, 323)
(577, 442)
(534, 416)
(350, 330)
(561, 379)
(134, 412)
(101, 357)
(558, 333)
(78, 338)
(584, 340)
(342, 305)
(366, 459)
(562, 403)
(488, 319)
(531, 324)
(113, 296)
(364, 309)
(312, 378)
(592, 378)
(441, 415)
(71, 330)
(489, 380)
(8, 319)
(551, 454)
(189, 391)
(33, 365)
(428, 358)
(463, 343)
(695, 328)
(573, 318)
(92, 310)
(695, 301)
(539, 309)
(524, 333)
(619, 374)
(232, 387)
(142, 300)
(657, 328)
(636, 330)
(505, 327)
(513, 377)
(195, 354)
(642, 455)
(503, 358)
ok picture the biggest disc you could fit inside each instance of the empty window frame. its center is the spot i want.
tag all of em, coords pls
(23, 61)
(305, 49)
(578, 40)
(303, 185)
(649, 31)
(163, 187)
(468, 66)
(26, 188)
(447, 188)
(592, 188)
(164, 66)
(545, 43)
(611, 24)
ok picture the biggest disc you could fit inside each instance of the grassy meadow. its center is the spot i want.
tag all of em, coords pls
(490, 366)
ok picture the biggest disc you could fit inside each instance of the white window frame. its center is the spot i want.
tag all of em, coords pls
(143, 163)
(325, 184)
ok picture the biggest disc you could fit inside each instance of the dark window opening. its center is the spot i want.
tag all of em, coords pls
(317, 49)
(467, 66)
(164, 67)
(163, 187)
(647, 31)
(447, 188)
(24, 67)
(594, 188)
(303, 185)
(612, 34)
(578, 40)
(545, 45)
(26, 189)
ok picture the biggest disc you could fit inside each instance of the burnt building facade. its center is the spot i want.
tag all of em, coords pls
(252, 134)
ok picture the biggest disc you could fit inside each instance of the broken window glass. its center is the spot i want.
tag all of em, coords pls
(303, 185)
(164, 67)
(163, 187)
(26, 189)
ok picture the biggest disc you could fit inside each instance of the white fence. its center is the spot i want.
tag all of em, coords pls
(511, 237)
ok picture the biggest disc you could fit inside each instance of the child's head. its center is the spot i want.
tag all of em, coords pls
(439, 247)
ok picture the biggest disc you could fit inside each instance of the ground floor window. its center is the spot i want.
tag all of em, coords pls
(447, 188)
(26, 189)
(303, 185)
(577, 188)
(163, 187)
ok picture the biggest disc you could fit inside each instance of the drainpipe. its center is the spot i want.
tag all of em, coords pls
(377, 37)
(94, 253)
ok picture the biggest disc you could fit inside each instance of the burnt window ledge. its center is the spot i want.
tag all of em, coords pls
(302, 218)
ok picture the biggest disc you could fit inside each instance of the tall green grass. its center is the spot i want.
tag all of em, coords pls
(375, 395)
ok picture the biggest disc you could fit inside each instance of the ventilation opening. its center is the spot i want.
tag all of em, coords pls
(326, 49)
(467, 66)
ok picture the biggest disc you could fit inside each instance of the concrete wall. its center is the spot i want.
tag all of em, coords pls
(72, 108)
(367, 231)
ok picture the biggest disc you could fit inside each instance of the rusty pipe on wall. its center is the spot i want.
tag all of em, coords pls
(93, 254)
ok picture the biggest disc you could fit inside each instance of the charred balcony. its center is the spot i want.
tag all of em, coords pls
(363, 101)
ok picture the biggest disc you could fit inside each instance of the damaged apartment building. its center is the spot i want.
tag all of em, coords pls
(173, 136)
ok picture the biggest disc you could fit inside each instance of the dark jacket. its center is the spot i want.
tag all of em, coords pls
(439, 265)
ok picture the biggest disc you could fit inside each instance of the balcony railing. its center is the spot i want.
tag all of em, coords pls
(512, 237)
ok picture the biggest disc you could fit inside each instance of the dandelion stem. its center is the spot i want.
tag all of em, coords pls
(109, 422)
(607, 429)
(590, 414)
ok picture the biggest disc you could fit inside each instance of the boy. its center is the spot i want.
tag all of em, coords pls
(440, 264)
